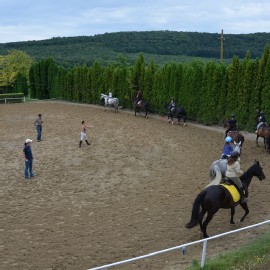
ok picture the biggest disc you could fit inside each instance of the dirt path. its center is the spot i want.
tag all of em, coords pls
(128, 194)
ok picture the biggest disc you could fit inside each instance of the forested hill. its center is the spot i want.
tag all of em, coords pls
(162, 46)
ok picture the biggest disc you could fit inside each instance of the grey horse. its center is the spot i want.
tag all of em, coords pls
(218, 168)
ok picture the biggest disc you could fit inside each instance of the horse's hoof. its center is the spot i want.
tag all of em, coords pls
(232, 222)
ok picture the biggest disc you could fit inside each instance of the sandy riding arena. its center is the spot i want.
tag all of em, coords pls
(127, 194)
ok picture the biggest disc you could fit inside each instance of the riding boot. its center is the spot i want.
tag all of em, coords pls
(80, 144)
(243, 199)
(87, 142)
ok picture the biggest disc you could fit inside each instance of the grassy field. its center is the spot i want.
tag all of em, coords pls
(255, 256)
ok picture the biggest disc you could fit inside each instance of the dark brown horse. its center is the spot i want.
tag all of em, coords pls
(263, 132)
(234, 134)
(215, 197)
(141, 106)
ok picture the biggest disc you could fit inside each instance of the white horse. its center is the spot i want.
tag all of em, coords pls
(218, 168)
(110, 102)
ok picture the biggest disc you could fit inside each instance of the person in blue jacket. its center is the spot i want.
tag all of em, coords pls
(228, 148)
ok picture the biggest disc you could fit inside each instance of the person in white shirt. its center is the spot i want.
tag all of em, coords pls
(110, 94)
(233, 172)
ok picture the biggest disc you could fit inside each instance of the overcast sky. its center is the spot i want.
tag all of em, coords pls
(23, 20)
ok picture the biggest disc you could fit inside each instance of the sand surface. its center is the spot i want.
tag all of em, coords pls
(128, 194)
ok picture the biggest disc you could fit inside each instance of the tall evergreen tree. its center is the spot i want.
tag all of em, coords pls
(137, 81)
(232, 97)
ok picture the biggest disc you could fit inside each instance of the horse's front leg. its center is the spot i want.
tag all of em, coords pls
(245, 207)
(257, 140)
(232, 215)
(185, 119)
(169, 118)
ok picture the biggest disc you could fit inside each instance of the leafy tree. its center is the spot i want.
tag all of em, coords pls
(11, 65)
(20, 84)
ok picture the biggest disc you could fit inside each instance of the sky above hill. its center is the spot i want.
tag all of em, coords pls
(44, 19)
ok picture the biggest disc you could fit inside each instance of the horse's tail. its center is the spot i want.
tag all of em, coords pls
(214, 174)
(267, 145)
(195, 215)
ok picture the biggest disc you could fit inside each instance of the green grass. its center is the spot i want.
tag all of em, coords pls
(255, 255)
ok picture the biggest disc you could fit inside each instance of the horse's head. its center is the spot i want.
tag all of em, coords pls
(237, 147)
(258, 171)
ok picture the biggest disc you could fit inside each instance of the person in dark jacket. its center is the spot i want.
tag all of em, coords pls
(232, 125)
(138, 97)
(262, 121)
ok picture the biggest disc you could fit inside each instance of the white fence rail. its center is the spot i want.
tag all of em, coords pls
(204, 241)
(5, 99)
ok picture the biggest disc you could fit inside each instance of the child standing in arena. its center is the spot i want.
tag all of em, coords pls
(83, 133)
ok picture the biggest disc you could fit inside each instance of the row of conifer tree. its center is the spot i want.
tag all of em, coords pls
(208, 91)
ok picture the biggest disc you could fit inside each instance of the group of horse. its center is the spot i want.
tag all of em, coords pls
(216, 196)
(142, 106)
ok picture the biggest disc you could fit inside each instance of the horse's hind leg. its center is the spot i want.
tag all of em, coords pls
(202, 213)
(209, 217)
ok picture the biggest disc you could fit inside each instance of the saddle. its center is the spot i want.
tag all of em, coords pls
(233, 191)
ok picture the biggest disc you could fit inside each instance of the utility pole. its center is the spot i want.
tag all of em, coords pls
(221, 46)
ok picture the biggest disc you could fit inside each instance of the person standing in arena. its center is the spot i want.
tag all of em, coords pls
(83, 133)
(38, 123)
(28, 159)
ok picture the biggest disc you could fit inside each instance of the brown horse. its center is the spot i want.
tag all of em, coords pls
(141, 106)
(263, 132)
(234, 134)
